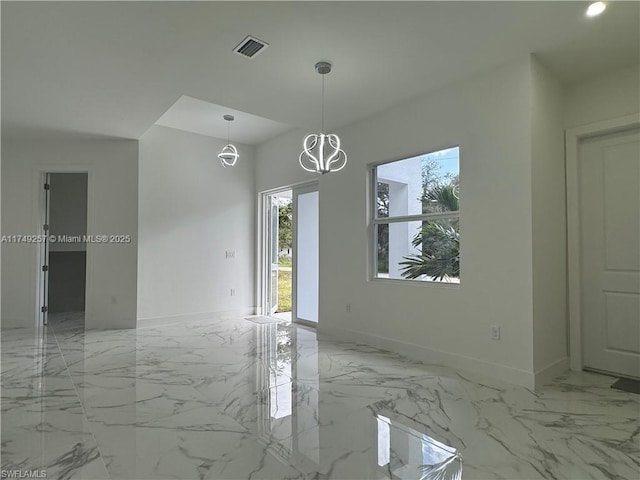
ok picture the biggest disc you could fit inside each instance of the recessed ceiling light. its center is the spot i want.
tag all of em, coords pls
(596, 8)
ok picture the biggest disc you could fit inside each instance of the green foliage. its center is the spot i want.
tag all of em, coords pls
(284, 260)
(439, 240)
(382, 206)
(440, 198)
(285, 216)
(440, 256)
(430, 172)
(284, 291)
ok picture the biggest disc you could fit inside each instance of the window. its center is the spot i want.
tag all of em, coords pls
(416, 218)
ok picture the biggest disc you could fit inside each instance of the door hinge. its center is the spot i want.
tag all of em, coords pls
(44, 309)
(47, 186)
(45, 268)
(45, 227)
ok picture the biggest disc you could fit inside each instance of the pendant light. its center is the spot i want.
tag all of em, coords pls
(321, 152)
(229, 154)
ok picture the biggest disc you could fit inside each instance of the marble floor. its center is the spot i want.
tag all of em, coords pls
(236, 399)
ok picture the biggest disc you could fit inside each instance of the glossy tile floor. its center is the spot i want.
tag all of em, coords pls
(235, 399)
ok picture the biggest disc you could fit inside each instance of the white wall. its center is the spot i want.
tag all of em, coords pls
(191, 211)
(112, 209)
(489, 117)
(549, 224)
(613, 95)
(509, 124)
(278, 165)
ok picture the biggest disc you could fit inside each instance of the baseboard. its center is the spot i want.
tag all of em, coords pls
(14, 327)
(554, 369)
(433, 356)
(121, 324)
(194, 316)
(13, 323)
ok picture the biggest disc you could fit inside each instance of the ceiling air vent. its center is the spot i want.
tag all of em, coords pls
(250, 47)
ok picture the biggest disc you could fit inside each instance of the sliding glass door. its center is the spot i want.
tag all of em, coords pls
(290, 254)
(273, 255)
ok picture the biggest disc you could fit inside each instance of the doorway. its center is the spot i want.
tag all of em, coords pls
(64, 250)
(290, 254)
(280, 258)
(609, 213)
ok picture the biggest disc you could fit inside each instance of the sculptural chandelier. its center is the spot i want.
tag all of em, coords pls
(229, 154)
(321, 152)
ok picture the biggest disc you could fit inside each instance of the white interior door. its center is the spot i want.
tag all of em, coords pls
(610, 255)
(306, 245)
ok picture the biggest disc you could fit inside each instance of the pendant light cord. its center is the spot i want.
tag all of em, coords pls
(322, 129)
(228, 131)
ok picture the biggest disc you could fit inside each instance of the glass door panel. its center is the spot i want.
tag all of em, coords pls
(306, 253)
(273, 255)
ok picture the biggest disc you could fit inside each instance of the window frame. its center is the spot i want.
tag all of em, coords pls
(374, 221)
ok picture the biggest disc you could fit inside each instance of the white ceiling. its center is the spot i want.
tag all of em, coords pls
(206, 118)
(113, 68)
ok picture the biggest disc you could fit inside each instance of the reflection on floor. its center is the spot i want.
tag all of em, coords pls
(282, 316)
(67, 320)
(232, 399)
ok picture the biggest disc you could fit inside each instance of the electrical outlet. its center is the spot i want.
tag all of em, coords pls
(233, 292)
(230, 254)
(495, 332)
(348, 308)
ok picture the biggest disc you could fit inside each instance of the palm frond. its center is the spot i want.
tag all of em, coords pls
(440, 257)
(440, 198)
(449, 469)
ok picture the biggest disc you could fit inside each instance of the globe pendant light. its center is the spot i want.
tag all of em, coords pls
(321, 152)
(229, 154)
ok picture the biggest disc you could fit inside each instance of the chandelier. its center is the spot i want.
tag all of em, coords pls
(321, 152)
(229, 154)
